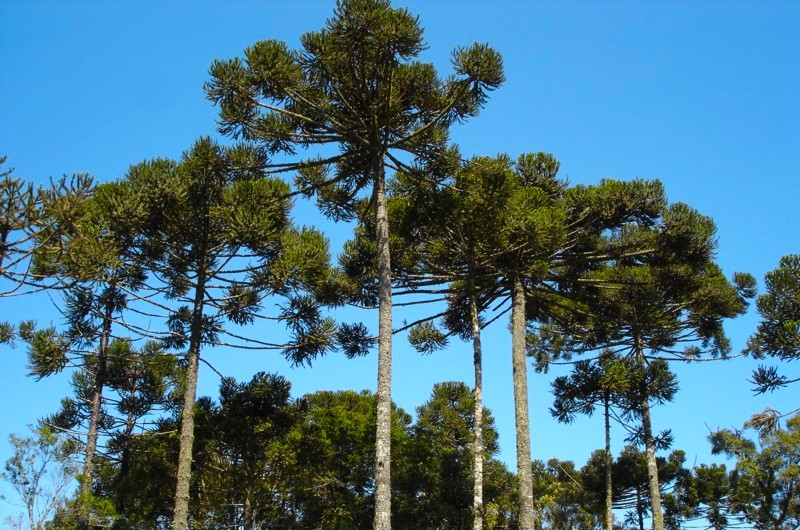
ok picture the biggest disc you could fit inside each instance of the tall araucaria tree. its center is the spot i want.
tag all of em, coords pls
(217, 238)
(532, 236)
(355, 85)
(90, 260)
(457, 246)
(665, 300)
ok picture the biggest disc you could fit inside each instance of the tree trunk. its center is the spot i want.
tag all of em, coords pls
(609, 515)
(121, 501)
(248, 508)
(383, 440)
(650, 446)
(477, 458)
(520, 368)
(94, 415)
(640, 508)
(180, 519)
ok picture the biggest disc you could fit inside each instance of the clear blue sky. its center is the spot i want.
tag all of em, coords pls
(702, 95)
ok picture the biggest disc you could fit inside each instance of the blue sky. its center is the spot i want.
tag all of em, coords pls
(701, 95)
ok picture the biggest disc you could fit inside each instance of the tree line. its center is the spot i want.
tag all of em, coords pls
(610, 276)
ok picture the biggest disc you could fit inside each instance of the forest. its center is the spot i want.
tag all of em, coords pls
(147, 274)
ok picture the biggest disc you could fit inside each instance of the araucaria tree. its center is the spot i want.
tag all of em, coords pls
(355, 85)
(91, 259)
(216, 236)
(603, 383)
(27, 214)
(505, 230)
(778, 333)
(662, 300)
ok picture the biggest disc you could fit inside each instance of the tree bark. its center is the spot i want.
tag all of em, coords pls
(477, 449)
(180, 519)
(383, 440)
(640, 508)
(609, 515)
(520, 369)
(249, 524)
(94, 415)
(650, 447)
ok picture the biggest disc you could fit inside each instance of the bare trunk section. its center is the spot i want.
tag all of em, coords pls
(477, 448)
(124, 466)
(640, 508)
(520, 368)
(609, 514)
(650, 447)
(383, 440)
(249, 523)
(94, 415)
(180, 518)
(652, 467)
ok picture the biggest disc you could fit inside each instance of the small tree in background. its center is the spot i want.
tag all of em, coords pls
(41, 473)
(603, 382)
(765, 484)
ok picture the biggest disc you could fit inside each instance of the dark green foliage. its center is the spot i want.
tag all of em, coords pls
(778, 334)
(250, 459)
(336, 461)
(440, 474)
(704, 493)
(560, 499)
(263, 460)
(763, 486)
(630, 491)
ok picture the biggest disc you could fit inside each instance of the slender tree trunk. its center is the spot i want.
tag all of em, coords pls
(94, 415)
(609, 515)
(248, 508)
(477, 449)
(180, 519)
(520, 368)
(640, 508)
(121, 502)
(650, 446)
(383, 440)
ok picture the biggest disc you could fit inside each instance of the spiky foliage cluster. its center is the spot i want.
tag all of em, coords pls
(778, 333)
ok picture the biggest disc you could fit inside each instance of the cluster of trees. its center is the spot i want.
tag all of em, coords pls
(612, 272)
(265, 460)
